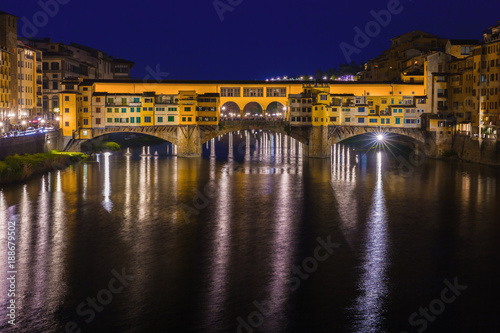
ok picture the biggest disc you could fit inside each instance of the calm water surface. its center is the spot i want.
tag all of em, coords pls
(255, 239)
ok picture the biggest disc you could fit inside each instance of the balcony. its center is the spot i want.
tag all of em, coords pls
(442, 95)
(443, 107)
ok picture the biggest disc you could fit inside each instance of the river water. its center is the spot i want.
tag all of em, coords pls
(253, 237)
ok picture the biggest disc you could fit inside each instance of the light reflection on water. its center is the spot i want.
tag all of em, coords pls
(269, 205)
(370, 305)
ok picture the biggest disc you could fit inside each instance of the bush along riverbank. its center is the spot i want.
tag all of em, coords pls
(18, 168)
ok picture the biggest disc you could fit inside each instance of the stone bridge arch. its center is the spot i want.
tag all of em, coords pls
(166, 133)
(337, 134)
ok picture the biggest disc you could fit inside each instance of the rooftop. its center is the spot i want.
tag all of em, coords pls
(464, 42)
(243, 82)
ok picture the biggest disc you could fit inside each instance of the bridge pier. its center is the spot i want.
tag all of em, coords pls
(188, 141)
(318, 146)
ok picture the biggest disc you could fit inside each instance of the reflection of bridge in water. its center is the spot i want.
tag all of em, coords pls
(316, 140)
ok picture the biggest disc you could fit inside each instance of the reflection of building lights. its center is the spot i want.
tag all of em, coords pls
(1, 124)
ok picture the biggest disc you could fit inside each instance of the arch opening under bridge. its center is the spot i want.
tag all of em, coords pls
(253, 109)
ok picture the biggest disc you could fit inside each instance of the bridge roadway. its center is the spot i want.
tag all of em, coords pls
(317, 140)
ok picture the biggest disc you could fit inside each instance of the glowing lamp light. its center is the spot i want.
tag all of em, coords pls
(58, 118)
(23, 122)
(380, 137)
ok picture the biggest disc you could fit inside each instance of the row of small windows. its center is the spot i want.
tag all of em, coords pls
(27, 64)
(27, 77)
(253, 92)
(137, 120)
(206, 118)
(53, 66)
(301, 119)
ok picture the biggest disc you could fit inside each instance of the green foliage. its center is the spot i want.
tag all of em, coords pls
(17, 168)
(105, 146)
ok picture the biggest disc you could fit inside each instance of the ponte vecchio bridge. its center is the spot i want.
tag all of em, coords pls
(188, 114)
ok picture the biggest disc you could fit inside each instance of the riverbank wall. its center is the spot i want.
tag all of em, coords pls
(471, 150)
(30, 144)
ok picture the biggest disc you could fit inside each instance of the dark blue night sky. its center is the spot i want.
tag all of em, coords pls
(257, 39)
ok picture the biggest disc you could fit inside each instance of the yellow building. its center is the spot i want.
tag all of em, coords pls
(29, 82)
(4, 85)
(381, 105)
(474, 84)
(8, 68)
(70, 104)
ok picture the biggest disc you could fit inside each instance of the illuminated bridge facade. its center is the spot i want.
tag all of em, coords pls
(188, 114)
